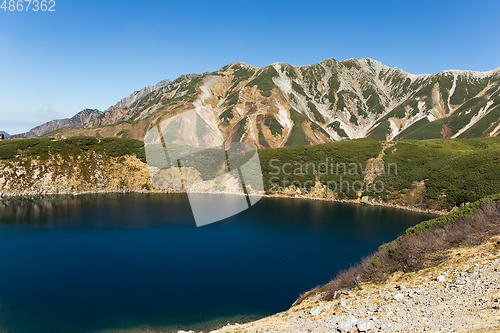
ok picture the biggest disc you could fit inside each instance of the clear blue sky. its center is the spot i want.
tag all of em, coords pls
(90, 54)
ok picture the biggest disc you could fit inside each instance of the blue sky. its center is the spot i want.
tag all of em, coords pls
(90, 54)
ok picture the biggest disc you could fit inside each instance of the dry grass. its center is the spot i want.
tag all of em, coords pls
(413, 252)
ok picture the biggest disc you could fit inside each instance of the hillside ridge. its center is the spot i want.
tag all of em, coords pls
(284, 105)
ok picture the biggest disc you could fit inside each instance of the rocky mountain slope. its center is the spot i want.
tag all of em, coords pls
(6, 135)
(284, 105)
(78, 120)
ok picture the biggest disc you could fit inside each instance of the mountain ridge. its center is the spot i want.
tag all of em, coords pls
(77, 120)
(282, 104)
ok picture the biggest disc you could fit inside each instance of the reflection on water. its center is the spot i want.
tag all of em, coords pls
(93, 263)
(94, 210)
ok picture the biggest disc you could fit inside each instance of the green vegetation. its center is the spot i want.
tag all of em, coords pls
(354, 119)
(400, 112)
(233, 98)
(479, 128)
(227, 115)
(123, 133)
(264, 79)
(289, 71)
(242, 73)
(315, 112)
(240, 129)
(273, 124)
(375, 104)
(336, 127)
(460, 118)
(209, 162)
(193, 83)
(373, 100)
(316, 127)
(298, 88)
(334, 84)
(426, 90)
(424, 130)
(297, 136)
(115, 147)
(406, 85)
(455, 171)
(465, 90)
(468, 209)
(341, 103)
(380, 132)
(413, 127)
(154, 100)
(262, 139)
(350, 63)
(282, 167)
(119, 147)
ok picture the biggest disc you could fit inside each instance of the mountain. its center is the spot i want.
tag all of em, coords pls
(284, 105)
(77, 120)
(6, 135)
(137, 95)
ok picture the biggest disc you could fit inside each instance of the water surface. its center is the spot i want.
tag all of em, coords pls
(97, 262)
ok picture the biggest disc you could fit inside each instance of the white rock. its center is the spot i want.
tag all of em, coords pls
(440, 278)
(316, 311)
(398, 297)
(343, 302)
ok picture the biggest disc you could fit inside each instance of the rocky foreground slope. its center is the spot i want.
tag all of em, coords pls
(284, 105)
(460, 295)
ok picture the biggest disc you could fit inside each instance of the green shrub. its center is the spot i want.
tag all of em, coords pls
(297, 136)
(264, 79)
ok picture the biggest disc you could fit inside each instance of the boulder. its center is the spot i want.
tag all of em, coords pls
(315, 311)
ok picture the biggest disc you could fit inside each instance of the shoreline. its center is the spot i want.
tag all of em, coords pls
(359, 202)
(216, 324)
(27, 195)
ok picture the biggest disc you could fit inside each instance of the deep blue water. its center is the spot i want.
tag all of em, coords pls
(90, 263)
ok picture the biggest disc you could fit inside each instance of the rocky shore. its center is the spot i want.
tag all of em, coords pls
(92, 172)
(462, 294)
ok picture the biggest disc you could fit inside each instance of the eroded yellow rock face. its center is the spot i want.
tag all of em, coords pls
(87, 171)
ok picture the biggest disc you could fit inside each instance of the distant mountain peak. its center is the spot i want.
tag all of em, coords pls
(78, 120)
(137, 95)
